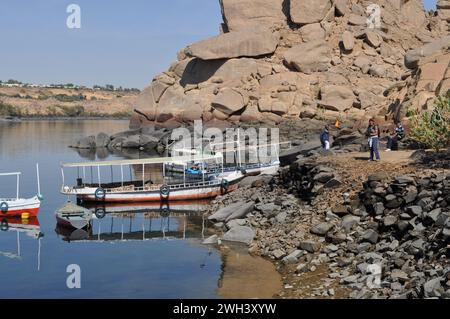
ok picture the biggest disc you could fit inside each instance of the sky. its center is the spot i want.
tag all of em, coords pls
(124, 43)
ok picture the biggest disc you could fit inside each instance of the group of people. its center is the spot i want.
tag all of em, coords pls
(373, 135)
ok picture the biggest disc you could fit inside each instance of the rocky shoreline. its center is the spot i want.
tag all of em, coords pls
(330, 232)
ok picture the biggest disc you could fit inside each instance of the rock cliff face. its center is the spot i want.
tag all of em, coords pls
(302, 58)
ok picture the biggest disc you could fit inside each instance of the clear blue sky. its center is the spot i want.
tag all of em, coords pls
(121, 42)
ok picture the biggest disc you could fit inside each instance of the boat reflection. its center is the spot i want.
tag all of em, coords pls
(30, 227)
(140, 222)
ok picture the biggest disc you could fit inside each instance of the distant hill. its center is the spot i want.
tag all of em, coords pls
(19, 100)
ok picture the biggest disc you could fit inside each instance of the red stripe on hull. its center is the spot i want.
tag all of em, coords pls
(200, 196)
(33, 212)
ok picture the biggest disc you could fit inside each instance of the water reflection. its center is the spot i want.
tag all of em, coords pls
(30, 227)
(146, 221)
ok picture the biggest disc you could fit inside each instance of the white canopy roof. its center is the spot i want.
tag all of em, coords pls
(157, 160)
(10, 174)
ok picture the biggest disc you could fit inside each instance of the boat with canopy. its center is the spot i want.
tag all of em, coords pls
(17, 206)
(150, 182)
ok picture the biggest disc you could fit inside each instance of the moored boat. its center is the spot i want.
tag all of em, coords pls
(17, 206)
(144, 189)
(73, 216)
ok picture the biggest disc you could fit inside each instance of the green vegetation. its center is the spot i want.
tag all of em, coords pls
(432, 128)
(70, 98)
(71, 111)
(9, 110)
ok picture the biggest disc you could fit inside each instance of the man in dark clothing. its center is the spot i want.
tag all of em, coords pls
(373, 135)
(399, 134)
(325, 138)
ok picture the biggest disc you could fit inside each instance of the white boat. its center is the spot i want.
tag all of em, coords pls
(17, 206)
(145, 189)
(268, 166)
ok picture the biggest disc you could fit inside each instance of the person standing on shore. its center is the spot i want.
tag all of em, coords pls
(325, 138)
(373, 135)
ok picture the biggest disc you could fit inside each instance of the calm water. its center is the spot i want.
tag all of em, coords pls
(139, 255)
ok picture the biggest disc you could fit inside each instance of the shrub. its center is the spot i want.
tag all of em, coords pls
(9, 110)
(432, 128)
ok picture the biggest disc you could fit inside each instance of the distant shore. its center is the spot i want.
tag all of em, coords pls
(62, 118)
(41, 103)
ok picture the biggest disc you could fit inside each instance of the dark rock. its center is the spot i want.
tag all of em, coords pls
(400, 275)
(278, 254)
(433, 288)
(340, 210)
(323, 177)
(102, 140)
(378, 208)
(241, 211)
(242, 234)
(301, 268)
(349, 221)
(255, 181)
(378, 177)
(86, 143)
(321, 229)
(411, 195)
(269, 210)
(333, 183)
(414, 210)
(223, 213)
(396, 202)
(336, 238)
(370, 236)
(310, 246)
(404, 179)
(293, 257)
(426, 203)
(389, 221)
(443, 219)
(433, 216)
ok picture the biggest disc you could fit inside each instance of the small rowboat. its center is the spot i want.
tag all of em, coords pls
(73, 216)
(21, 207)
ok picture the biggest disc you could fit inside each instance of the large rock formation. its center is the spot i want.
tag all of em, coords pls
(252, 14)
(247, 43)
(329, 58)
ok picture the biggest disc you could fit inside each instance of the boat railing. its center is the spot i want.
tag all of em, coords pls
(9, 199)
(73, 190)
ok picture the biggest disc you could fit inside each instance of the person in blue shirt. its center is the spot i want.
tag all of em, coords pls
(399, 134)
(325, 138)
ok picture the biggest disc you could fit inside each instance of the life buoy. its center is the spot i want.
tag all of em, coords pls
(100, 193)
(224, 184)
(4, 226)
(100, 213)
(164, 191)
(4, 207)
(164, 210)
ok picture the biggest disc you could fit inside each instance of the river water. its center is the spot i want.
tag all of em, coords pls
(138, 254)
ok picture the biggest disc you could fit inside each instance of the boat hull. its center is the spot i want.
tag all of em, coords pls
(155, 196)
(20, 207)
(76, 223)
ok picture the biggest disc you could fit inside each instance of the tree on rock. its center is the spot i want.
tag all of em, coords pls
(432, 128)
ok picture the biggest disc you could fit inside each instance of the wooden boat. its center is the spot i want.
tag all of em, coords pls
(73, 216)
(26, 207)
(144, 189)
